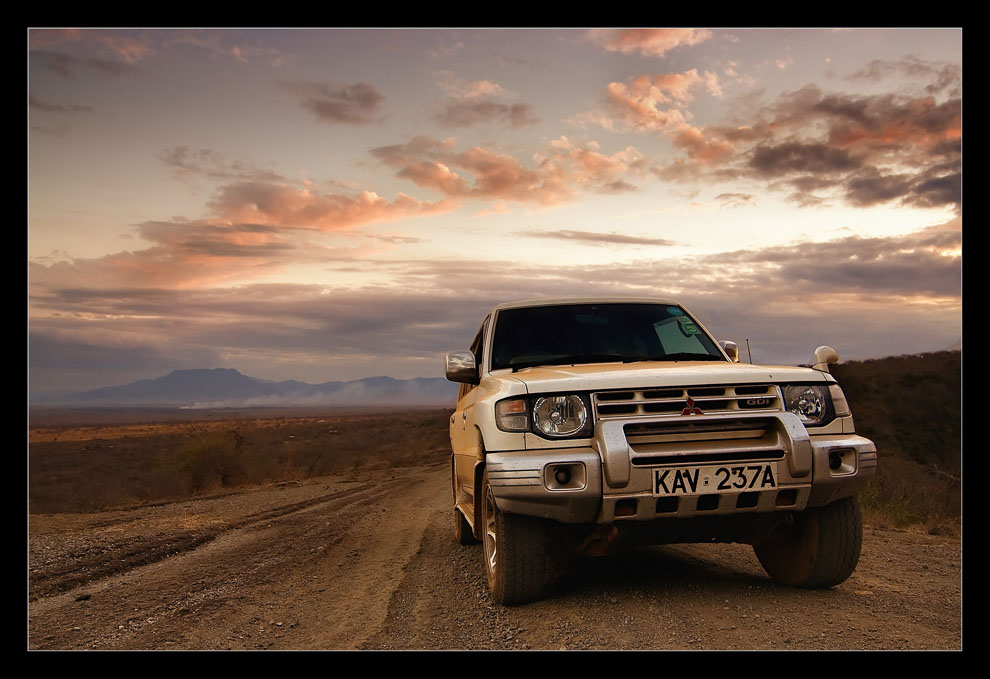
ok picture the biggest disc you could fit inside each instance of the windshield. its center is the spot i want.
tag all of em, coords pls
(598, 333)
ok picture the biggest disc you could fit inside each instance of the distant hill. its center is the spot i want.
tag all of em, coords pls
(910, 406)
(225, 387)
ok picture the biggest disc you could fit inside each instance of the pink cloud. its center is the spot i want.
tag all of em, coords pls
(659, 104)
(701, 148)
(482, 172)
(289, 206)
(653, 42)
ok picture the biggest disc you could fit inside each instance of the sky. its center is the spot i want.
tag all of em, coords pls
(336, 204)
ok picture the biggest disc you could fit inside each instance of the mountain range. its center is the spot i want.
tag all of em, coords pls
(228, 388)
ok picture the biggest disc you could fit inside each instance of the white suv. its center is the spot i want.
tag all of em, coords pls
(594, 423)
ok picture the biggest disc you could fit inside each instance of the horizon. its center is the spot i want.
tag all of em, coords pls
(372, 377)
(323, 205)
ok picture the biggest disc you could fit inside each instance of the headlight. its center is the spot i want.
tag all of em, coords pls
(809, 402)
(557, 416)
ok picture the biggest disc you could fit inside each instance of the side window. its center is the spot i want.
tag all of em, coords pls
(476, 348)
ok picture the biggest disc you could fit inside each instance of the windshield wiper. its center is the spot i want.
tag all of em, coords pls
(681, 356)
(570, 360)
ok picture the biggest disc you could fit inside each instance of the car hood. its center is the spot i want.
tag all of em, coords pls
(648, 374)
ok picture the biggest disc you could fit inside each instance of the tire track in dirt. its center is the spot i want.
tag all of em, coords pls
(304, 575)
(378, 568)
(134, 552)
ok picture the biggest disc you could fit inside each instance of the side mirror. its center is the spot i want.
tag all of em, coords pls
(825, 356)
(461, 367)
(732, 350)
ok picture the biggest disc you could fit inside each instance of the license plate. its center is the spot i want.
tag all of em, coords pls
(707, 479)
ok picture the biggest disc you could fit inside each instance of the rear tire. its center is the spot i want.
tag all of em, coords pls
(514, 552)
(820, 549)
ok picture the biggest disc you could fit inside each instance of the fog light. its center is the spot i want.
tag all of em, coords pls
(565, 476)
(842, 461)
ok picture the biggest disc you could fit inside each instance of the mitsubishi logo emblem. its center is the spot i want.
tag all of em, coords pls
(691, 408)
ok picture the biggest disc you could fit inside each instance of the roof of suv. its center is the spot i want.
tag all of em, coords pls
(582, 300)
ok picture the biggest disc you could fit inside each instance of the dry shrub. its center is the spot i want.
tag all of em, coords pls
(906, 494)
(210, 460)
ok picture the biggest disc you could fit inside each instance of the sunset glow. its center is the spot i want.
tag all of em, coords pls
(336, 204)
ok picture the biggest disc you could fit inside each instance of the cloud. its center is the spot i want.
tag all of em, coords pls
(773, 161)
(67, 66)
(446, 49)
(592, 238)
(654, 42)
(462, 88)
(466, 113)
(867, 296)
(473, 102)
(218, 45)
(51, 107)
(734, 199)
(355, 104)
(558, 173)
(660, 104)
(656, 103)
(433, 164)
(941, 76)
(872, 149)
(863, 150)
(284, 205)
(184, 255)
(210, 163)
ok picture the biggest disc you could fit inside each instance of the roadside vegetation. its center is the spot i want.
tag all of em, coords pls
(909, 405)
(136, 462)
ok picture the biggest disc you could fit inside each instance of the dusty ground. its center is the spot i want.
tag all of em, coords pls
(367, 561)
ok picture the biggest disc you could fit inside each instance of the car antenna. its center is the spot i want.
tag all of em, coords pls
(748, 351)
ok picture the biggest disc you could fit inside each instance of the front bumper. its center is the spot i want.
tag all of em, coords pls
(612, 478)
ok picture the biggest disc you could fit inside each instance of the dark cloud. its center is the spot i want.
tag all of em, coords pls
(593, 238)
(464, 113)
(871, 187)
(355, 104)
(774, 161)
(862, 149)
(945, 190)
(50, 107)
(209, 163)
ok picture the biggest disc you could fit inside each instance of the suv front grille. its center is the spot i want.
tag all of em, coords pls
(674, 401)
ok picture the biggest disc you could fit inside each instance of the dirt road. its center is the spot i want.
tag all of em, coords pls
(370, 563)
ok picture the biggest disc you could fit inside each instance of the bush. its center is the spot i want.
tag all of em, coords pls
(211, 460)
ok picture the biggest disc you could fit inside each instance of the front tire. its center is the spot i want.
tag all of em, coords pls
(820, 549)
(514, 552)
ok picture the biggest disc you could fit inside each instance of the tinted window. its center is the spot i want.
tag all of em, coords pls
(596, 333)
